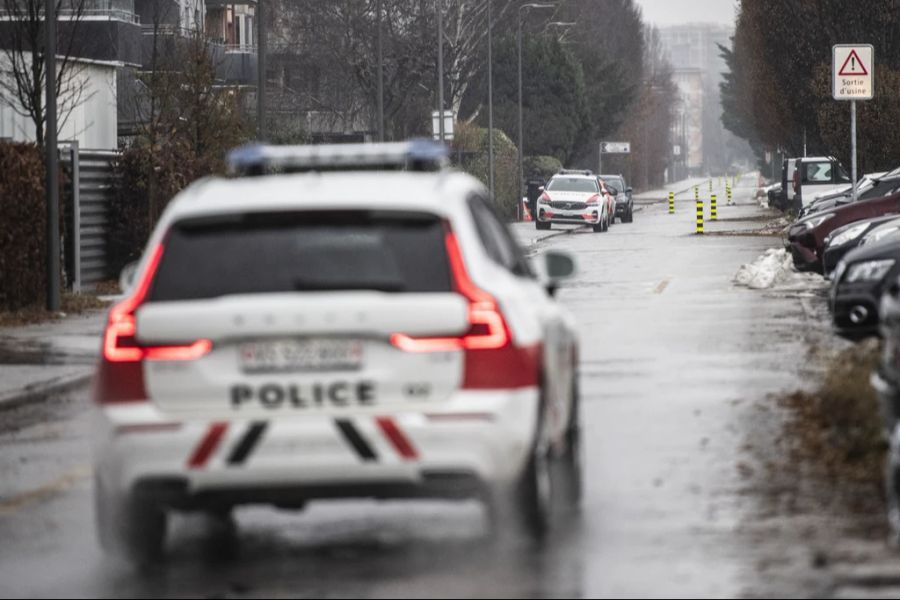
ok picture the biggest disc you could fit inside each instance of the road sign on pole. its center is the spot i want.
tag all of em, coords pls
(615, 147)
(853, 78)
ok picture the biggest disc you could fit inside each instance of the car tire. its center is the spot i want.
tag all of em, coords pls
(571, 462)
(542, 225)
(893, 503)
(598, 228)
(629, 218)
(129, 526)
(606, 223)
(534, 491)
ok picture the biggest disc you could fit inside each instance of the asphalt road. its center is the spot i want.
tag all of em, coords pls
(673, 355)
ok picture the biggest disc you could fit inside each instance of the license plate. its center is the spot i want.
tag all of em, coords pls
(301, 355)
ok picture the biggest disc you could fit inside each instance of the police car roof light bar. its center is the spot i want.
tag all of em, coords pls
(587, 172)
(414, 155)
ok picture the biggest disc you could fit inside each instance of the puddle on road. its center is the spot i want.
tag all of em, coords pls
(14, 352)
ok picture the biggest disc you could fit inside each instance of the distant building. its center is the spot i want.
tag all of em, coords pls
(698, 67)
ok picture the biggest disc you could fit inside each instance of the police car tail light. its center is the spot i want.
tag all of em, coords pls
(121, 375)
(593, 200)
(491, 360)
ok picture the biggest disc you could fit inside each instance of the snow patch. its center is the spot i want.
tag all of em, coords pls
(772, 268)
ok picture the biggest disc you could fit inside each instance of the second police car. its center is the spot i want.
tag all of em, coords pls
(288, 338)
(575, 197)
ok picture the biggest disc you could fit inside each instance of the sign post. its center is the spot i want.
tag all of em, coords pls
(612, 148)
(852, 78)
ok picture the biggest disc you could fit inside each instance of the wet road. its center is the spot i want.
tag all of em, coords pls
(672, 357)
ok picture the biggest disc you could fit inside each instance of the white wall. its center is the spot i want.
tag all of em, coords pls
(93, 122)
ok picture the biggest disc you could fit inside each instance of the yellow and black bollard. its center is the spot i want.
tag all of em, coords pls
(728, 191)
(699, 216)
(713, 216)
(671, 203)
(710, 185)
(696, 192)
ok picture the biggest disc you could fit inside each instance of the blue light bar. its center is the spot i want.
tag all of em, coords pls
(414, 155)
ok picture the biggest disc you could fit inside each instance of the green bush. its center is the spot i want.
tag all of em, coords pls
(471, 144)
(23, 247)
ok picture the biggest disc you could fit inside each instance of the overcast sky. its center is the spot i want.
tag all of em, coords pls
(675, 12)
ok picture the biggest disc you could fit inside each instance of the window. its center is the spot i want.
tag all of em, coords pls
(496, 239)
(819, 172)
(306, 251)
(573, 184)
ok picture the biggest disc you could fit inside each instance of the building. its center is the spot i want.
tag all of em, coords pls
(695, 56)
(112, 43)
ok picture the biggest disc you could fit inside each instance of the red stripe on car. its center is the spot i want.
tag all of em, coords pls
(207, 445)
(399, 440)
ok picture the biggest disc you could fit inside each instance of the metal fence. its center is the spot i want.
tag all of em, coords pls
(91, 177)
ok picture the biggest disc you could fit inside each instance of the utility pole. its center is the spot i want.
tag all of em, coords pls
(440, 27)
(380, 75)
(261, 71)
(52, 177)
(490, 99)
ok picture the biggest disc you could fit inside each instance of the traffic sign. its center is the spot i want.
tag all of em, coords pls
(853, 71)
(615, 147)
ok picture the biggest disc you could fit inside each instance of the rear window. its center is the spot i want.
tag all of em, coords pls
(573, 184)
(302, 252)
(615, 182)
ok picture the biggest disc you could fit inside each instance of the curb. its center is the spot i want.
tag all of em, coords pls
(37, 392)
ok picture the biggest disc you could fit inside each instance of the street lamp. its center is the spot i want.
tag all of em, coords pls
(521, 149)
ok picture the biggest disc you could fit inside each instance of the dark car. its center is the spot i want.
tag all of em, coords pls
(806, 238)
(859, 282)
(872, 185)
(624, 202)
(844, 239)
(886, 382)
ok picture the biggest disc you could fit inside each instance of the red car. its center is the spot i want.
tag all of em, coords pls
(806, 238)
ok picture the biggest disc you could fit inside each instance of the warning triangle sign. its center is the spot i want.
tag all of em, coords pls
(853, 66)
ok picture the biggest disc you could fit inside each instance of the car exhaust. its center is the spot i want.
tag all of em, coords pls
(858, 314)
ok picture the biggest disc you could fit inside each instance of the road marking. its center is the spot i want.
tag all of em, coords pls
(69, 478)
(662, 286)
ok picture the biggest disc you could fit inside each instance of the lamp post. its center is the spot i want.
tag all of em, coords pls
(521, 149)
(440, 27)
(52, 182)
(490, 98)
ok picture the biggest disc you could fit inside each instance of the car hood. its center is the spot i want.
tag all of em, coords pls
(886, 248)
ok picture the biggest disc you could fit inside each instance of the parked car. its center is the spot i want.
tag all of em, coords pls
(858, 283)
(806, 238)
(886, 381)
(775, 196)
(842, 196)
(624, 202)
(844, 239)
(788, 167)
(575, 197)
(817, 175)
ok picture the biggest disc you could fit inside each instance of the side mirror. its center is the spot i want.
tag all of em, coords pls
(541, 189)
(628, 190)
(126, 277)
(613, 191)
(558, 267)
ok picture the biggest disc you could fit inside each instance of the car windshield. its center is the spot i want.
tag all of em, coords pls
(573, 184)
(615, 182)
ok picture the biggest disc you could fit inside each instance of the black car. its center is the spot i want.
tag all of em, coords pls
(859, 281)
(844, 239)
(886, 382)
(624, 202)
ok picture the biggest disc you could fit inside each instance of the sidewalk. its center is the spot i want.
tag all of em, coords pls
(48, 358)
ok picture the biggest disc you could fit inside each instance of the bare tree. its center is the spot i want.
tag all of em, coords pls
(22, 74)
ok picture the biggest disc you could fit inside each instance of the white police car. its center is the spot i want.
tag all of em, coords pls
(575, 197)
(305, 333)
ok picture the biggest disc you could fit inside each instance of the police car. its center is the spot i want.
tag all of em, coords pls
(332, 322)
(575, 197)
